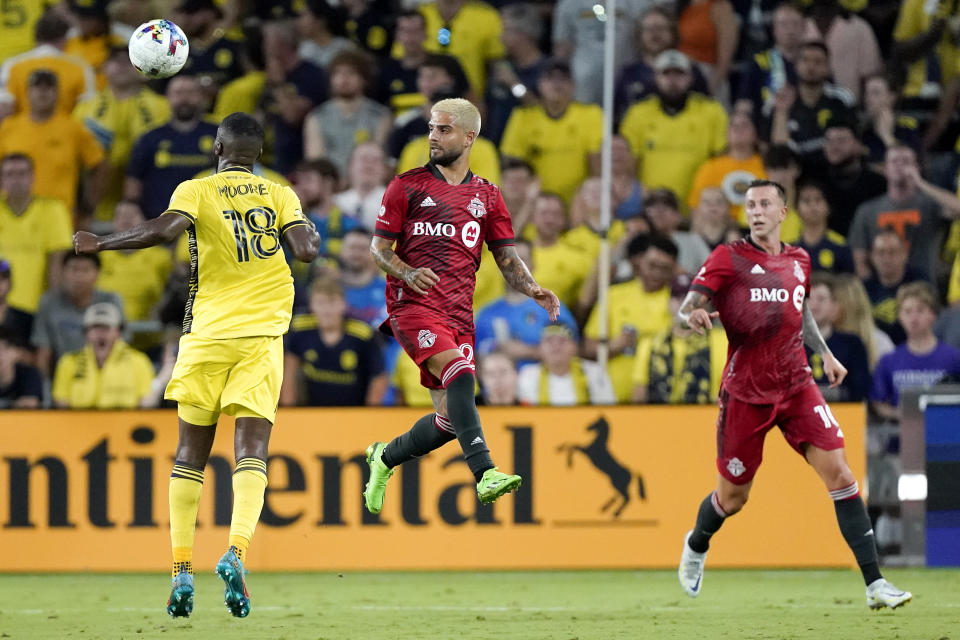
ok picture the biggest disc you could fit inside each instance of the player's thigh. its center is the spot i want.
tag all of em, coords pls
(806, 420)
(461, 346)
(252, 389)
(200, 374)
(831, 466)
(429, 342)
(741, 429)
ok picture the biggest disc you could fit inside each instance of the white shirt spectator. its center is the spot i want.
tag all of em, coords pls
(562, 390)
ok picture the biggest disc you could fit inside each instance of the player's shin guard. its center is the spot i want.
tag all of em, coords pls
(249, 484)
(710, 518)
(428, 433)
(857, 530)
(186, 485)
(458, 380)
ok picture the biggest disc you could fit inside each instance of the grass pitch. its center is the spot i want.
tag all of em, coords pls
(485, 605)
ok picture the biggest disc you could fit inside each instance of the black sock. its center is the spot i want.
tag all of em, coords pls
(462, 409)
(424, 436)
(858, 532)
(709, 522)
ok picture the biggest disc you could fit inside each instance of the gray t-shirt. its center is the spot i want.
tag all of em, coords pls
(322, 55)
(693, 251)
(917, 219)
(59, 322)
(343, 131)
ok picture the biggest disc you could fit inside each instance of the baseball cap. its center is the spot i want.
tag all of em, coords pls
(44, 77)
(102, 314)
(4, 268)
(672, 59)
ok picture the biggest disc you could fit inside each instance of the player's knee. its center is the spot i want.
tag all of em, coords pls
(458, 371)
(732, 500)
(192, 455)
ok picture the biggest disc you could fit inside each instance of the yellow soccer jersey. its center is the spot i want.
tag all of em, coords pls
(27, 241)
(472, 37)
(241, 94)
(490, 283)
(138, 277)
(17, 25)
(558, 148)
(240, 284)
(121, 384)
(74, 75)
(563, 269)
(924, 75)
(484, 159)
(587, 240)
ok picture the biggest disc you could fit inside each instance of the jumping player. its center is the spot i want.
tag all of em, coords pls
(759, 287)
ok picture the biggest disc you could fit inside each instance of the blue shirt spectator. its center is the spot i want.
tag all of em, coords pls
(515, 325)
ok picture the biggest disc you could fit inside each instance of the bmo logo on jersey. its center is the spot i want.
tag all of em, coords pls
(763, 294)
(470, 234)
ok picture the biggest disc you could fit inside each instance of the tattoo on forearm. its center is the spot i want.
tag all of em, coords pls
(391, 264)
(694, 300)
(811, 332)
(514, 271)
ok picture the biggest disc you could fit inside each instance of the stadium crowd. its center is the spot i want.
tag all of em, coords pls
(850, 105)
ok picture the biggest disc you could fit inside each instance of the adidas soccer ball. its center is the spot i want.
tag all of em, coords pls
(158, 49)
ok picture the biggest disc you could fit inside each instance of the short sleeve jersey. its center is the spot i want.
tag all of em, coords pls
(441, 226)
(240, 284)
(760, 299)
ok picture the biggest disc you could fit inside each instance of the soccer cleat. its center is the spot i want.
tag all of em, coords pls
(691, 568)
(180, 602)
(235, 594)
(494, 484)
(379, 474)
(882, 594)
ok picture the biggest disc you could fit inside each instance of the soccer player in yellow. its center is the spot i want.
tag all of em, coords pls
(231, 353)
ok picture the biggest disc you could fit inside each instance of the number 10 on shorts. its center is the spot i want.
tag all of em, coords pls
(826, 415)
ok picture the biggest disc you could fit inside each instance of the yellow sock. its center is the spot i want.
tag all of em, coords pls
(249, 483)
(186, 485)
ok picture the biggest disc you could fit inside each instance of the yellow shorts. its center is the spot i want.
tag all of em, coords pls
(237, 376)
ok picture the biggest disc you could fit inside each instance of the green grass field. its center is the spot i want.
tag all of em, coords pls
(495, 605)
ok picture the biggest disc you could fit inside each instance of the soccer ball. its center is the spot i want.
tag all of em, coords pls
(158, 49)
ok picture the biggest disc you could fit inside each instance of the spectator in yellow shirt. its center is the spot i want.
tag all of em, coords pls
(559, 137)
(35, 232)
(59, 146)
(468, 30)
(93, 40)
(107, 373)
(558, 266)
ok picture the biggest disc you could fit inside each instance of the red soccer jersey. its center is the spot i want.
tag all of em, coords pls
(760, 299)
(441, 226)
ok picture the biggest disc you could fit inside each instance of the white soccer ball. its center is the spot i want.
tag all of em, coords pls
(158, 49)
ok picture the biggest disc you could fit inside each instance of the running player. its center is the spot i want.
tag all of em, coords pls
(231, 354)
(759, 288)
(438, 216)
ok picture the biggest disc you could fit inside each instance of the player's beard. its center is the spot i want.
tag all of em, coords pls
(445, 158)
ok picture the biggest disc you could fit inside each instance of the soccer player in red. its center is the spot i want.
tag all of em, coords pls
(438, 216)
(759, 288)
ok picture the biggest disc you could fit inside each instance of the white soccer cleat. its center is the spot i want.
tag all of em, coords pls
(882, 594)
(691, 568)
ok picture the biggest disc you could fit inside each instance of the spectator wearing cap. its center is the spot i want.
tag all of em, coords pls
(35, 232)
(800, 113)
(117, 116)
(93, 39)
(561, 379)
(164, 157)
(320, 27)
(58, 324)
(212, 53)
(21, 386)
(676, 366)
(497, 375)
(636, 309)
(62, 150)
(559, 137)
(16, 321)
(676, 130)
(854, 52)
(106, 373)
(828, 250)
(397, 77)
(734, 170)
(513, 323)
(662, 209)
(74, 75)
(771, 70)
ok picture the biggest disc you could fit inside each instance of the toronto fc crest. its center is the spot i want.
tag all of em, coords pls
(426, 338)
(798, 271)
(476, 207)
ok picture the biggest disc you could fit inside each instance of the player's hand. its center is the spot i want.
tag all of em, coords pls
(421, 280)
(85, 242)
(835, 371)
(701, 321)
(549, 301)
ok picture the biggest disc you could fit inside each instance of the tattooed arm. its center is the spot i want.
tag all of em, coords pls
(517, 275)
(693, 315)
(812, 337)
(420, 280)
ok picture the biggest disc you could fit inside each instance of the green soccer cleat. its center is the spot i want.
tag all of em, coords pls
(379, 474)
(235, 594)
(180, 602)
(494, 484)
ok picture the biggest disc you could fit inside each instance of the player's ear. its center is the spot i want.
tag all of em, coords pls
(217, 148)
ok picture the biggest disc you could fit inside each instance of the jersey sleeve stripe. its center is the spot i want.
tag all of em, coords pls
(188, 216)
(503, 242)
(294, 223)
(389, 235)
(702, 289)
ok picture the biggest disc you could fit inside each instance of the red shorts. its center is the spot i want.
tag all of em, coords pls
(424, 336)
(804, 418)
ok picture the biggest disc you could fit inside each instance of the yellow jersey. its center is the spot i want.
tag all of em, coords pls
(484, 159)
(670, 149)
(17, 24)
(472, 37)
(730, 175)
(94, 50)
(585, 239)
(563, 269)
(240, 285)
(406, 378)
(74, 76)
(242, 94)
(490, 283)
(629, 305)
(122, 383)
(26, 241)
(59, 148)
(138, 277)
(557, 148)
(926, 76)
